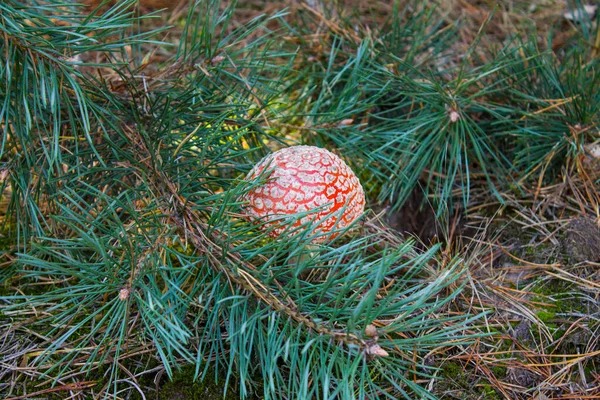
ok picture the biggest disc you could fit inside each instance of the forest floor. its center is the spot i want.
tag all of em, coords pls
(534, 261)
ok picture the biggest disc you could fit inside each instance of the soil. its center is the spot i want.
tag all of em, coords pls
(416, 217)
(582, 242)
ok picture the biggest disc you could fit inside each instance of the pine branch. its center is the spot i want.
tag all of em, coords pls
(191, 226)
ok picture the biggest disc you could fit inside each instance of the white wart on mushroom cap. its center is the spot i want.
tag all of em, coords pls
(301, 179)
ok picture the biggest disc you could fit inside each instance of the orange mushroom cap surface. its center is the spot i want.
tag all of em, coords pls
(301, 179)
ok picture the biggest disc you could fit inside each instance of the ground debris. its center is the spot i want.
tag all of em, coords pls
(582, 242)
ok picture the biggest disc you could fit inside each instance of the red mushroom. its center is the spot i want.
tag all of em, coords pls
(301, 179)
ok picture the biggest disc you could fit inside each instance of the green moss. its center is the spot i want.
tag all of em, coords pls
(546, 316)
(462, 383)
(466, 384)
(499, 371)
(559, 294)
(454, 377)
(453, 369)
(182, 386)
(488, 392)
(551, 287)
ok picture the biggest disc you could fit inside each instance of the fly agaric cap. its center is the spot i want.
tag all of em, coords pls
(301, 179)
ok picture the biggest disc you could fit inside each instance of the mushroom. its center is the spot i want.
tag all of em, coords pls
(305, 179)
